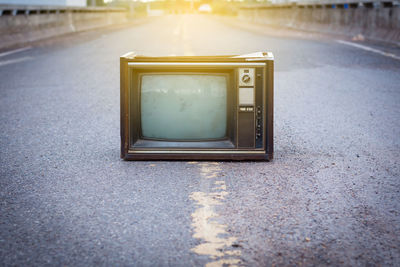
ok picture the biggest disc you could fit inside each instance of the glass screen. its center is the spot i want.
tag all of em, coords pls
(183, 107)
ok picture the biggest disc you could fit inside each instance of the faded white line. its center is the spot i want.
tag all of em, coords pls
(370, 49)
(12, 61)
(187, 49)
(14, 51)
(216, 243)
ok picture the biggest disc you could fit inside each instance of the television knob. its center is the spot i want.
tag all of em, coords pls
(246, 78)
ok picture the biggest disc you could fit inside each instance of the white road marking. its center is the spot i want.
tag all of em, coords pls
(215, 241)
(14, 51)
(370, 49)
(181, 38)
(177, 30)
(12, 61)
(187, 49)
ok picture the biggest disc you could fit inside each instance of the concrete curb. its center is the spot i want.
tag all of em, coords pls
(24, 24)
(376, 22)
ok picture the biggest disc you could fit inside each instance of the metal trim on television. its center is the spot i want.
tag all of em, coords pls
(205, 64)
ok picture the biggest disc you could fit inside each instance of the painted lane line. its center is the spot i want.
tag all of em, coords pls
(15, 51)
(187, 49)
(216, 243)
(12, 61)
(370, 49)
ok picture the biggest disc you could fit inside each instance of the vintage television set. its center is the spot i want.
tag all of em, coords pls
(197, 108)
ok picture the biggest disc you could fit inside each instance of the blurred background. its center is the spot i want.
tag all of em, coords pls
(330, 196)
(357, 19)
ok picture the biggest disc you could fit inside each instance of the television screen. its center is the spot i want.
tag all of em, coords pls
(189, 107)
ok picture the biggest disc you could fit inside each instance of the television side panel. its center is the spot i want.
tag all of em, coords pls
(269, 112)
(124, 123)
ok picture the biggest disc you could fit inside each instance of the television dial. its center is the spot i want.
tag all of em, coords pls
(246, 78)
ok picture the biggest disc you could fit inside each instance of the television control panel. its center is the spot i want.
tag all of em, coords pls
(250, 120)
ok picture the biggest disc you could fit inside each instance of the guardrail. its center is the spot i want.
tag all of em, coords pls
(375, 20)
(14, 10)
(22, 24)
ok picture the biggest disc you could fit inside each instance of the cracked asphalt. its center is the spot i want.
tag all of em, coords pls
(330, 196)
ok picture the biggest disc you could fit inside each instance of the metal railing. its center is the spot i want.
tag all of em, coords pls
(18, 10)
(339, 4)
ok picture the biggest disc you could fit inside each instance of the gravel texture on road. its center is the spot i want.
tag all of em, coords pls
(330, 197)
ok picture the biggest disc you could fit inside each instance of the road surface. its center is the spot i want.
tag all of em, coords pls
(330, 197)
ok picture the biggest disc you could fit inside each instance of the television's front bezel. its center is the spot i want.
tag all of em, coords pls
(227, 149)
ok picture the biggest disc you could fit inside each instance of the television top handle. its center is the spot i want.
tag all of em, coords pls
(197, 107)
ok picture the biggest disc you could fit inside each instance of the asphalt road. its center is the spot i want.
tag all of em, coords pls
(330, 197)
